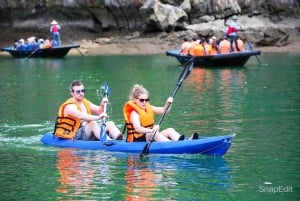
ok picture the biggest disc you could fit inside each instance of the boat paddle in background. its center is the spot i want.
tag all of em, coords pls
(185, 72)
(32, 53)
(103, 136)
(250, 47)
(71, 43)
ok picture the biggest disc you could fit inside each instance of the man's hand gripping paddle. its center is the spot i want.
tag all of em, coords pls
(103, 136)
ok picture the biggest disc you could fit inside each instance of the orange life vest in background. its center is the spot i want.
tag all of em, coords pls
(224, 47)
(213, 51)
(240, 45)
(146, 119)
(66, 126)
(47, 44)
(198, 50)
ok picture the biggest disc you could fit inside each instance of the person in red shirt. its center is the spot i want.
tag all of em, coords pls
(54, 30)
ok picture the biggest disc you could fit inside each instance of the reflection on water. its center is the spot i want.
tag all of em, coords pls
(76, 175)
(160, 177)
(85, 174)
(141, 181)
(94, 175)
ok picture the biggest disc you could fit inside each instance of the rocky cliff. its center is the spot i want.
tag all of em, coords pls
(264, 22)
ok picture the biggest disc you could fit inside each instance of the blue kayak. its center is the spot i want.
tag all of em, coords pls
(216, 146)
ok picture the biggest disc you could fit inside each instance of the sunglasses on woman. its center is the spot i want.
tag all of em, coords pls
(144, 100)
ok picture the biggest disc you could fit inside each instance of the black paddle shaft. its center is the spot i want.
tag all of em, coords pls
(186, 71)
(32, 53)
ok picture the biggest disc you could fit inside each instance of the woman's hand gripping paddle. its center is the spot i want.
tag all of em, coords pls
(185, 72)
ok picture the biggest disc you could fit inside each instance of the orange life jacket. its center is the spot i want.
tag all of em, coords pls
(146, 119)
(224, 47)
(66, 126)
(213, 50)
(47, 44)
(192, 46)
(198, 50)
(240, 45)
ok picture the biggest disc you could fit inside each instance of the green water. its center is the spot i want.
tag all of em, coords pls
(260, 103)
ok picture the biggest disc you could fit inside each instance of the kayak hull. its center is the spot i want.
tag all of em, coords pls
(216, 146)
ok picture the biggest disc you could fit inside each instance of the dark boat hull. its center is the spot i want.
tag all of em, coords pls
(216, 146)
(220, 60)
(55, 52)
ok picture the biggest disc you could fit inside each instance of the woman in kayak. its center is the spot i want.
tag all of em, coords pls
(139, 118)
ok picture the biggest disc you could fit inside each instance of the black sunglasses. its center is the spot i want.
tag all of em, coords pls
(78, 91)
(144, 100)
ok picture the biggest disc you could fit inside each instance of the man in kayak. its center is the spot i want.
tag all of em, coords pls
(77, 117)
(139, 118)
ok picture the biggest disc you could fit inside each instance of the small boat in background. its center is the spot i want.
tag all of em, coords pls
(53, 52)
(218, 60)
(213, 146)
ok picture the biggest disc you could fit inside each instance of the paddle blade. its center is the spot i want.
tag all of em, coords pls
(106, 89)
(102, 133)
(186, 71)
(145, 150)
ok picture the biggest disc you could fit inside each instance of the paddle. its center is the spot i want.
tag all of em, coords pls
(32, 53)
(71, 43)
(251, 48)
(186, 71)
(102, 129)
(80, 52)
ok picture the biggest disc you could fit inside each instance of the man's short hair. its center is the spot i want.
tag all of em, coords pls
(75, 83)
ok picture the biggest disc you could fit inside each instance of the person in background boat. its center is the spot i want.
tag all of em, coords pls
(240, 43)
(54, 43)
(41, 43)
(199, 49)
(21, 45)
(193, 43)
(48, 43)
(77, 117)
(139, 118)
(55, 32)
(212, 48)
(224, 46)
(206, 45)
(35, 44)
(185, 46)
(232, 33)
(16, 44)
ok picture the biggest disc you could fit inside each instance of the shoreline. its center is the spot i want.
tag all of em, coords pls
(94, 49)
(91, 45)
